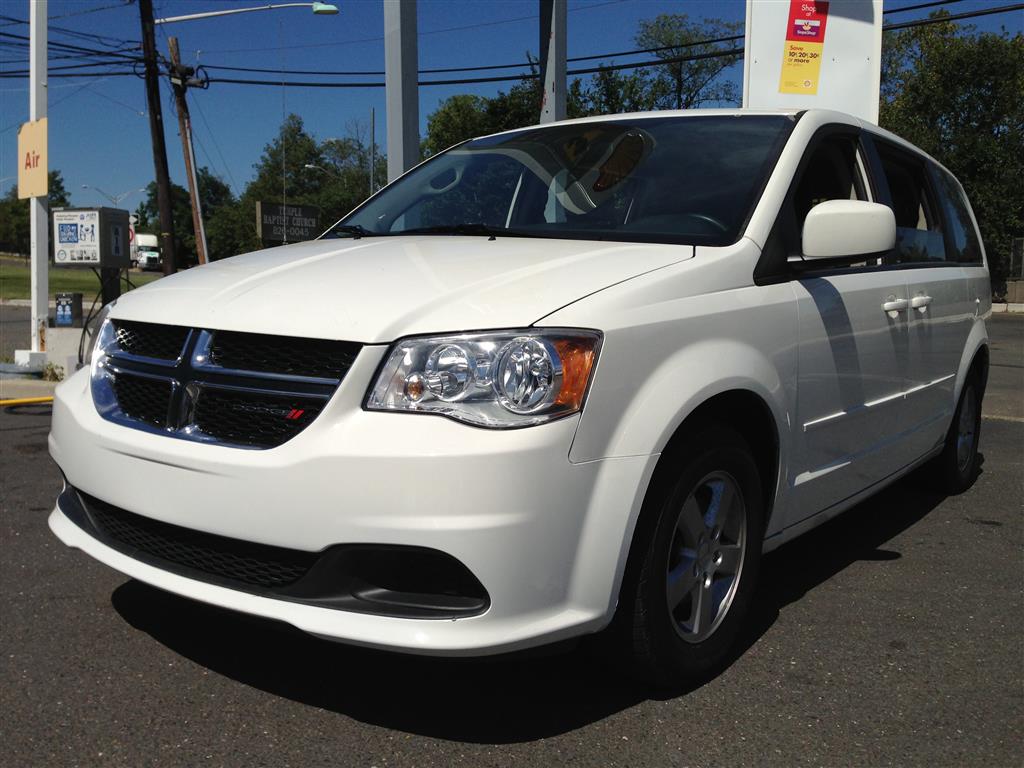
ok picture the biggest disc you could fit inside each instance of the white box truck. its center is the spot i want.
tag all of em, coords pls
(148, 250)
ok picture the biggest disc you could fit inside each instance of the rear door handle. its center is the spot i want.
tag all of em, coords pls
(893, 306)
(920, 302)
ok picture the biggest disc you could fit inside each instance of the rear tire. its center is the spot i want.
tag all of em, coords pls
(696, 559)
(956, 468)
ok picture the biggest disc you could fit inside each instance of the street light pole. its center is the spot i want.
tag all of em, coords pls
(312, 167)
(178, 82)
(321, 9)
(115, 200)
(156, 130)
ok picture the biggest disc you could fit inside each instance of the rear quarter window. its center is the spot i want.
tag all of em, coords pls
(963, 244)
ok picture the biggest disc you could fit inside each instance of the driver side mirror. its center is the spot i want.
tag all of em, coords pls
(839, 229)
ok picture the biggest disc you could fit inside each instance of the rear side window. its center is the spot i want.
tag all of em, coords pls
(963, 244)
(918, 226)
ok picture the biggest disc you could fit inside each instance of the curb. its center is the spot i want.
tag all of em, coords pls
(1009, 308)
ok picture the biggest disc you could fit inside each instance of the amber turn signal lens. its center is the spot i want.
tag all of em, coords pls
(577, 359)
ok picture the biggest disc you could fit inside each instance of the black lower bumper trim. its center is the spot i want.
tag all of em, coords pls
(388, 580)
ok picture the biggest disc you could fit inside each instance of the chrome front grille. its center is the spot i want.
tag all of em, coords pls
(238, 389)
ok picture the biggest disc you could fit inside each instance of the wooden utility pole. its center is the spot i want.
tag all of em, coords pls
(156, 130)
(179, 81)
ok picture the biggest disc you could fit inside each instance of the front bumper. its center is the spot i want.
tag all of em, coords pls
(545, 537)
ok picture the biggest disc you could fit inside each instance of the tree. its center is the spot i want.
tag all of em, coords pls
(281, 174)
(15, 227)
(464, 117)
(672, 85)
(688, 84)
(455, 120)
(346, 173)
(215, 199)
(959, 95)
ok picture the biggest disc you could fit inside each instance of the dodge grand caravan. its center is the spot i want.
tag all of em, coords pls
(553, 381)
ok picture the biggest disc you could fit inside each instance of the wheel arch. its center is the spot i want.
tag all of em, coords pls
(975, 357)
(744, 411)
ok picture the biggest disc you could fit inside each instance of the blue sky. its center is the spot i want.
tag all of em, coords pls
(99, 134)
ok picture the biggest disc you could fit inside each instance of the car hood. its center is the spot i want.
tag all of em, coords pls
(374, 290)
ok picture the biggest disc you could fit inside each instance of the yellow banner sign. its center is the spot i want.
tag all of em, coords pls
(801, 65)
(32, 170)
(805, 39)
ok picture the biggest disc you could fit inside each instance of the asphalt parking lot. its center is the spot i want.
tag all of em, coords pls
(891, 636)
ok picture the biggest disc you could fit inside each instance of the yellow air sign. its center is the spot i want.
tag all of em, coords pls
(32, 174)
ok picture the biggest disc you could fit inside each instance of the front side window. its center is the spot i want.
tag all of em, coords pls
(918, 226)
(678, 180)
(831, 173)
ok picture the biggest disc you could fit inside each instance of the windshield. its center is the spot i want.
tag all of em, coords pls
(672, 179)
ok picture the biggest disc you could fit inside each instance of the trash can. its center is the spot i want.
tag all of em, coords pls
(69, 310)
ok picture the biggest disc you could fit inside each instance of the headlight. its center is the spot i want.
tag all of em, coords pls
(102, 338)
(500, 379)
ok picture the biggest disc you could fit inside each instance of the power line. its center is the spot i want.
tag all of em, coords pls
(635, 65)
(216, 145)
(124, 4)
(138, 112)
(919, 6)
(499, 79)
(102, 39)
(520, 65)
(22, 41)
(80, 87)
(531, 75)
(376, 39)
(953, 17)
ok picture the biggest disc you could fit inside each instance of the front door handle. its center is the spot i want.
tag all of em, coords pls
(920, 301)
(894, 306)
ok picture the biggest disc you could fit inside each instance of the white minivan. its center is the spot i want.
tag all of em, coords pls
(551, 382)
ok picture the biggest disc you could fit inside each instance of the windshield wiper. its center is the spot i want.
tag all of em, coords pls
(458, 229)
(355, 230)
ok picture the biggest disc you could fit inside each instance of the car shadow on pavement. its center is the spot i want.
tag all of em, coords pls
(505, 699)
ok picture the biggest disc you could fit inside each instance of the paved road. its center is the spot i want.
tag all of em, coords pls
(891, 636)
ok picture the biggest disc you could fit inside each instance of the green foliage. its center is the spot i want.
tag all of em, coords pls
(959, 95)
(217, 203)
(15, 279)
(15, 234)
(687, 84)
(462, 117)
(338, 182)
(672, 85)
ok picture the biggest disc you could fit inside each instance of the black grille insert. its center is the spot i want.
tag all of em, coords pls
(257, 419)
(389, 580)
(282, 355)
(144, 399)
(244, 562)
(162, 342)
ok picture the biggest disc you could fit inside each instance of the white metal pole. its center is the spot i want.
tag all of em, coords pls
(552, 60)
(401, 86)
(38, 205)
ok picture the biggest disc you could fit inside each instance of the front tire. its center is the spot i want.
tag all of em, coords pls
(699, 558)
